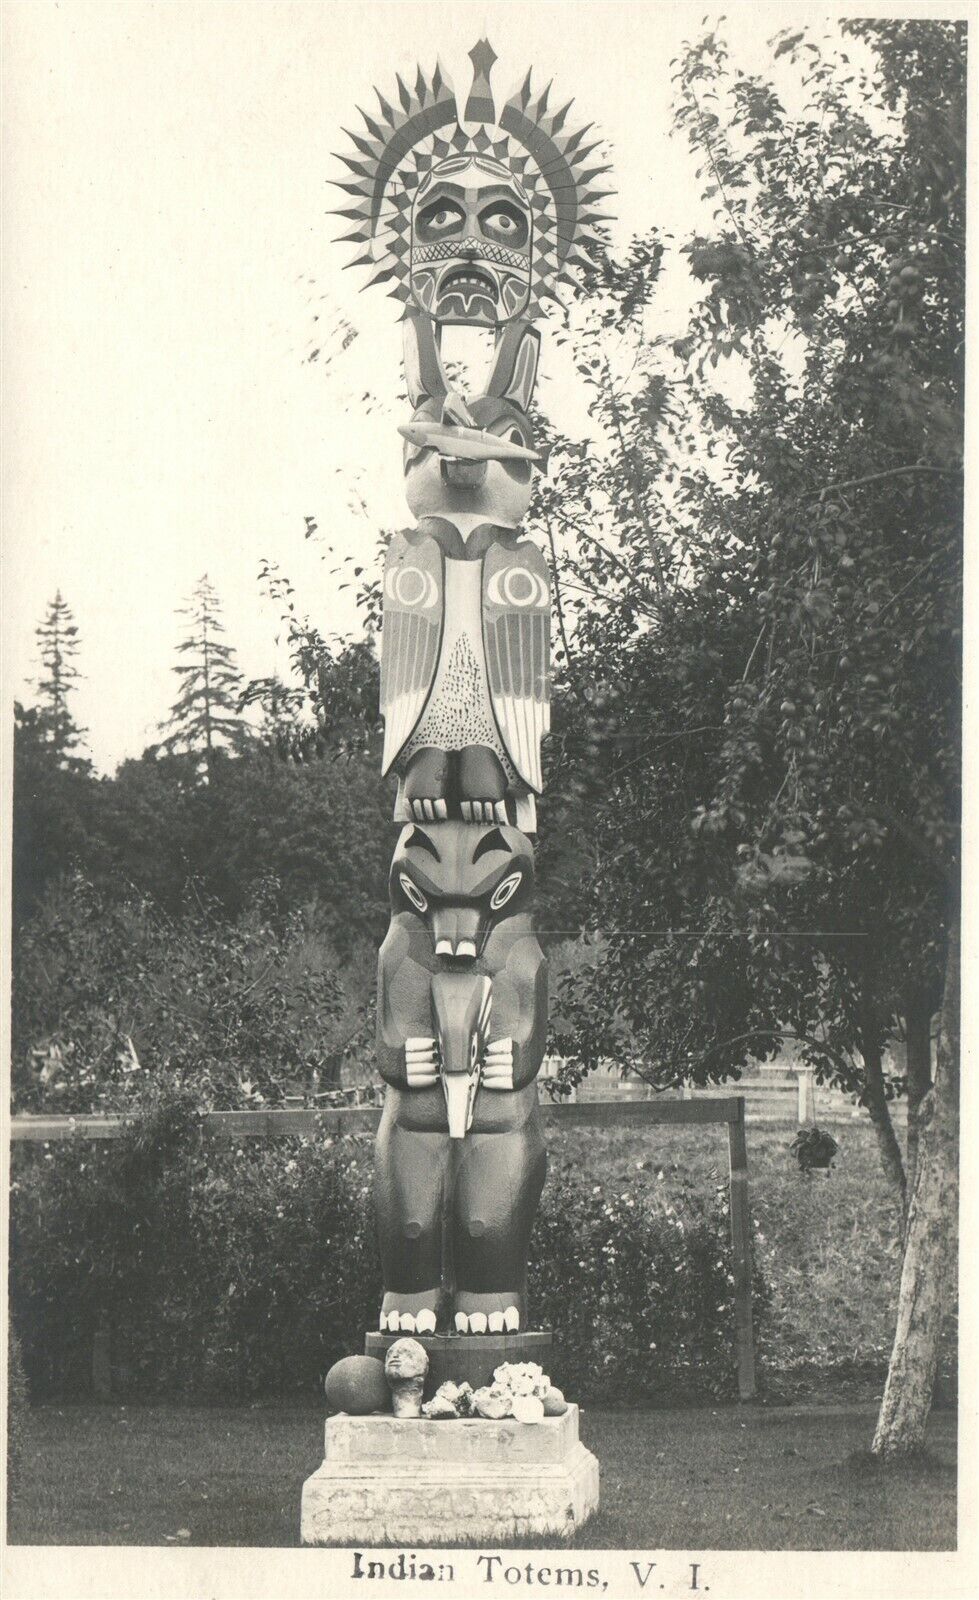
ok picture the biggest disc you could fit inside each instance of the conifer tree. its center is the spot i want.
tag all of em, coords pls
(57, 638)
(205, 718)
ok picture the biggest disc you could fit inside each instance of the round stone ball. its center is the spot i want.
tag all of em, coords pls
(555, 1404)
(358, 1386)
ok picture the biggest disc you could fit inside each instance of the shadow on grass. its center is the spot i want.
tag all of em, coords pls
(912, 1464)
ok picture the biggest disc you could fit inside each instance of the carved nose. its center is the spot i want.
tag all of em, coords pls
(456, 931)
(463, 950)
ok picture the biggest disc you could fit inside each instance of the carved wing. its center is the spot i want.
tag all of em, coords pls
(516, 633)
(410, 636)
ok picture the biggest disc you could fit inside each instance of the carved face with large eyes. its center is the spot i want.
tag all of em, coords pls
(461, 880)
(471, 243)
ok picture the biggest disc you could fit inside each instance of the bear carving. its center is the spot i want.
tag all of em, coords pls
(461, 1022)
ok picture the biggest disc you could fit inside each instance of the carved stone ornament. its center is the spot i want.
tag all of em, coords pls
(405, 1367)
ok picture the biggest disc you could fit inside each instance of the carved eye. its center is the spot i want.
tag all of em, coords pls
(441, 216)
(505, 891)
(506, 222)
(413, 892)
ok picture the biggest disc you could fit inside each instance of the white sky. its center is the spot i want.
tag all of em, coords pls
(165, 246)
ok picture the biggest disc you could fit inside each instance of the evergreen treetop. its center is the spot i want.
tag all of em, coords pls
(58, 642)
(205, 717)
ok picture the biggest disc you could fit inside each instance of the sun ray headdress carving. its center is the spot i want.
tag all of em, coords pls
(421, 127)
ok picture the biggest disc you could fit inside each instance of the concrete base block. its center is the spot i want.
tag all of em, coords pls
(394, 1480)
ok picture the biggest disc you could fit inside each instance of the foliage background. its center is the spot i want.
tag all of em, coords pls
(237, 1269)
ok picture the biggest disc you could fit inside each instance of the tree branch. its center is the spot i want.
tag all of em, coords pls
(878, 477)
(616, 561)
(628, 463)
(557, 601)
(922, 849)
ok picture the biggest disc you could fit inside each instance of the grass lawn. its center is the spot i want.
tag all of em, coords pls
(730, 1479)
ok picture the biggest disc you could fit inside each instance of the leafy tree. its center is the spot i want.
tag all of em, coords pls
(58, 644)
(53, 800)
(766, 607)
(766, 649)
(332, 704)
(110, 992)
(205, 718)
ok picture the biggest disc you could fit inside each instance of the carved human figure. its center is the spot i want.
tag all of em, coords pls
(465, 641)
(461, 1022)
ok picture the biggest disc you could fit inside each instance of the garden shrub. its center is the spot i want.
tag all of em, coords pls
(638, 1288)
(226, 1270)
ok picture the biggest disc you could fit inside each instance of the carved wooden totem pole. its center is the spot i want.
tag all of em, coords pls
(473, 216)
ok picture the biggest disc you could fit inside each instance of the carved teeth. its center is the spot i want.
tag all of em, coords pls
(394, 1322)
(467, 280)
(511, 1319)
(462, 1322)
(443, 947)
(477, 1322)
(407, 1322)
(384, 1322)
(465, 947)
(425, 1322)
(441, 809)
(496, 1322)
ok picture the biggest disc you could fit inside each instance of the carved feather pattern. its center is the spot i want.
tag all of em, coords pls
(516, 631)
(413, 612)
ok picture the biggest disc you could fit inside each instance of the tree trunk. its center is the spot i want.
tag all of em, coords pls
(917, 1025)
(875, 1099)
(929, 1255)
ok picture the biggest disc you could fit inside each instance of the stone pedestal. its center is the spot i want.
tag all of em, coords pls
(407, 1481)
(467, 1357)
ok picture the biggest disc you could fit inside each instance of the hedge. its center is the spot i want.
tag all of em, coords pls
(223, 1271)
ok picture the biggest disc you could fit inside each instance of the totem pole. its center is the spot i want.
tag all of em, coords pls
(473, 217)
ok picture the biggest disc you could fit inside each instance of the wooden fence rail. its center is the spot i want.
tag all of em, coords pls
(336, 1122)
